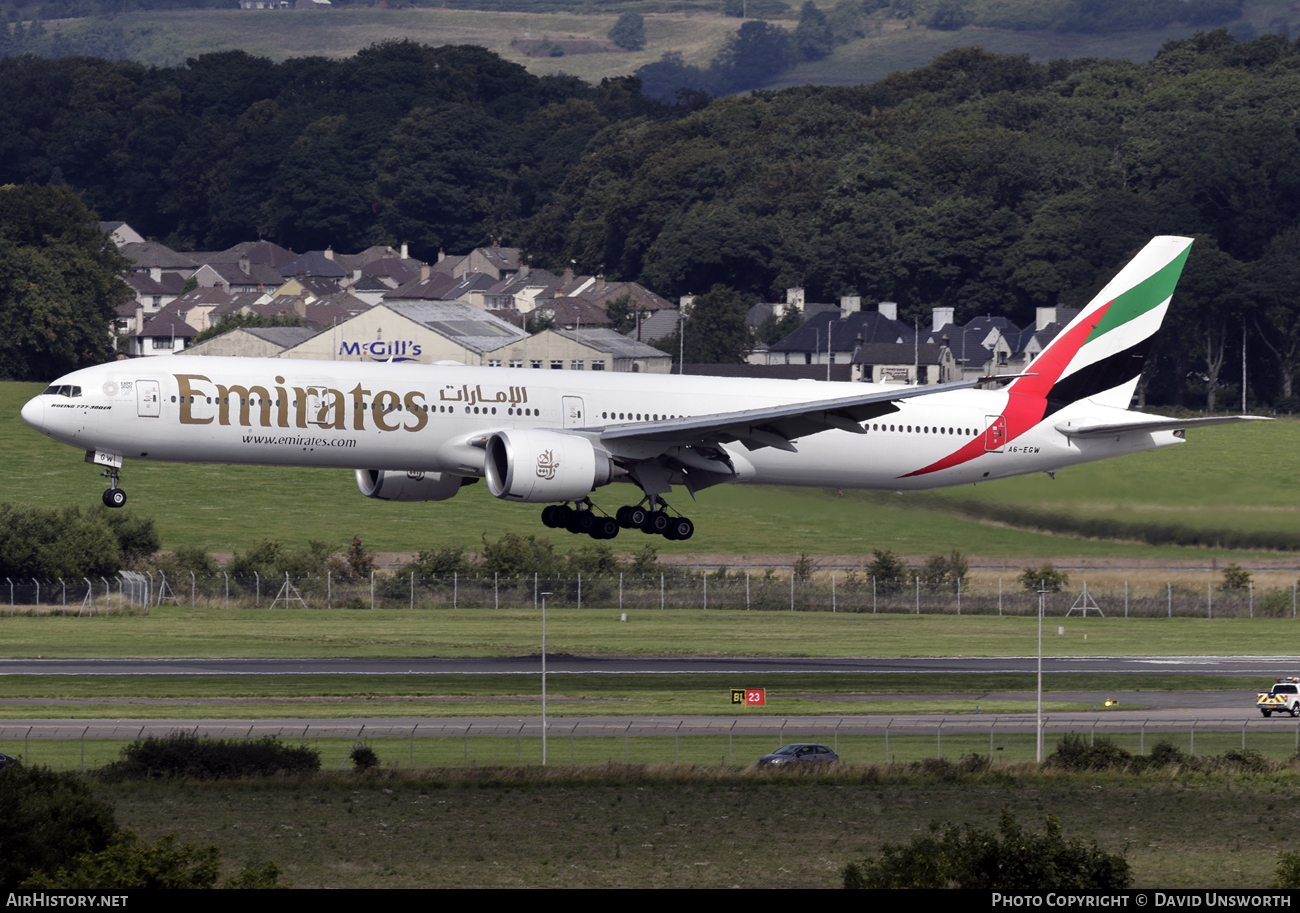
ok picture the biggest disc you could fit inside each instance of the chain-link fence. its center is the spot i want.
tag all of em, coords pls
(132, 592)
(665, 740)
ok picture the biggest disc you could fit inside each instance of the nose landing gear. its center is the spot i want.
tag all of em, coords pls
(114, 496)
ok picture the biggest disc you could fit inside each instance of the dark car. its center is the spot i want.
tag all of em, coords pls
(5, 761)
(799, 753)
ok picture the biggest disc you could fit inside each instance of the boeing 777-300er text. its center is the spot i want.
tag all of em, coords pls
(421, 432)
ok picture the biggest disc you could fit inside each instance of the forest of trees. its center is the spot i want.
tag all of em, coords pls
(983, 182)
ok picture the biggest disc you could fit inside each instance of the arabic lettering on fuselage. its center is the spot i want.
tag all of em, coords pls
(511, 395)
(204, 401)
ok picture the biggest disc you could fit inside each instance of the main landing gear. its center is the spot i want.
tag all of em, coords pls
(653, 519)
(114, 496)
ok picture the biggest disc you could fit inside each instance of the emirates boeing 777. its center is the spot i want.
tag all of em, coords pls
(420, 432)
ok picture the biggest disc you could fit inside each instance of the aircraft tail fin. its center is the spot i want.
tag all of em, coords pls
(1099, 355)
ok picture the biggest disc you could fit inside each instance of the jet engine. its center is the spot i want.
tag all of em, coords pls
(409, 486)
(537, 466)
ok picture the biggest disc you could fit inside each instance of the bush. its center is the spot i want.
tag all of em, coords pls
(181, 754)
(1235, 577)
(49, 819)
(953, 857)
(1277, 604)
(1074, 752)
(515, 555)
(1046, 577)
(363, 757)
(1165, 753)
(129, 863)
(804, 568)
(940, 574)
(441, 563)
(888, 571)
(1287, 874)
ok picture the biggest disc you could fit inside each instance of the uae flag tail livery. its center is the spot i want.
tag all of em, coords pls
(422, 432)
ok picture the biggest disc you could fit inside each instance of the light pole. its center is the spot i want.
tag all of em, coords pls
(544, 595)
(1042, 595)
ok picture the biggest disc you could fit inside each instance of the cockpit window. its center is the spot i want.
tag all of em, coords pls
(63, 390)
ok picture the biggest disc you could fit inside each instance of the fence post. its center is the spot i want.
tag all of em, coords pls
(620, 591)
(918, 595)
(455, 588)
(792, 589)
(496, 592)
(1142, 738)
(958, 595)
(227, 576)
(329, 589)
(1250, 606)
(873, 599)
(534, 590)
(372, 591)
(412, 590)
(747, 592)
(833, 601)
(999, 597)
(661, 591)
(257, 582)
(11, 597)
(1209, 600)
(579, 590)
(1169, 594)
(1126, 599)
(192, 588)
(887, 725)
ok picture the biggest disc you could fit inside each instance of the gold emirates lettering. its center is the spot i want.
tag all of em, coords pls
(202, 402)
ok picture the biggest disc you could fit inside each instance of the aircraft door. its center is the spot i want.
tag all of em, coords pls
(574, 416)
(995, 435)
(148, 398)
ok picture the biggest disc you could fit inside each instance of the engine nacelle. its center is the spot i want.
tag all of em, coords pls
(408, 486)
(535, 465)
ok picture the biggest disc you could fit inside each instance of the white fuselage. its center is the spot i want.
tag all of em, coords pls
(428, 418)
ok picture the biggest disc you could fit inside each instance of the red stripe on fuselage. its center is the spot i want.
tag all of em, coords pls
(1027, 396)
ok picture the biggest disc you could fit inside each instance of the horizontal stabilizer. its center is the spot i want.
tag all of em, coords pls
(1086, 428)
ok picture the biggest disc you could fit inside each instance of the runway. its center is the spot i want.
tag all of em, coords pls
(1265, 668)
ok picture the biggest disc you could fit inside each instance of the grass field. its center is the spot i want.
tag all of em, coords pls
(696, 36)
(251, 697)
(1239, 477)
(443, 755)
(684, 827)
(179, 632)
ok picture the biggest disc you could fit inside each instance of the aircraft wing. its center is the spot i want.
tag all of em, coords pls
(1149, 423)
(774, 426)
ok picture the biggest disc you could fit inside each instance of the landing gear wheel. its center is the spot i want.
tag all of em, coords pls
(680, 529)
(657, 523)
(548, 516)
(114, 497)
(623, 517)
(605, 528)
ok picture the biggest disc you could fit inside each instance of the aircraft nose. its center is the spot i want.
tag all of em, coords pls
(34, 413)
